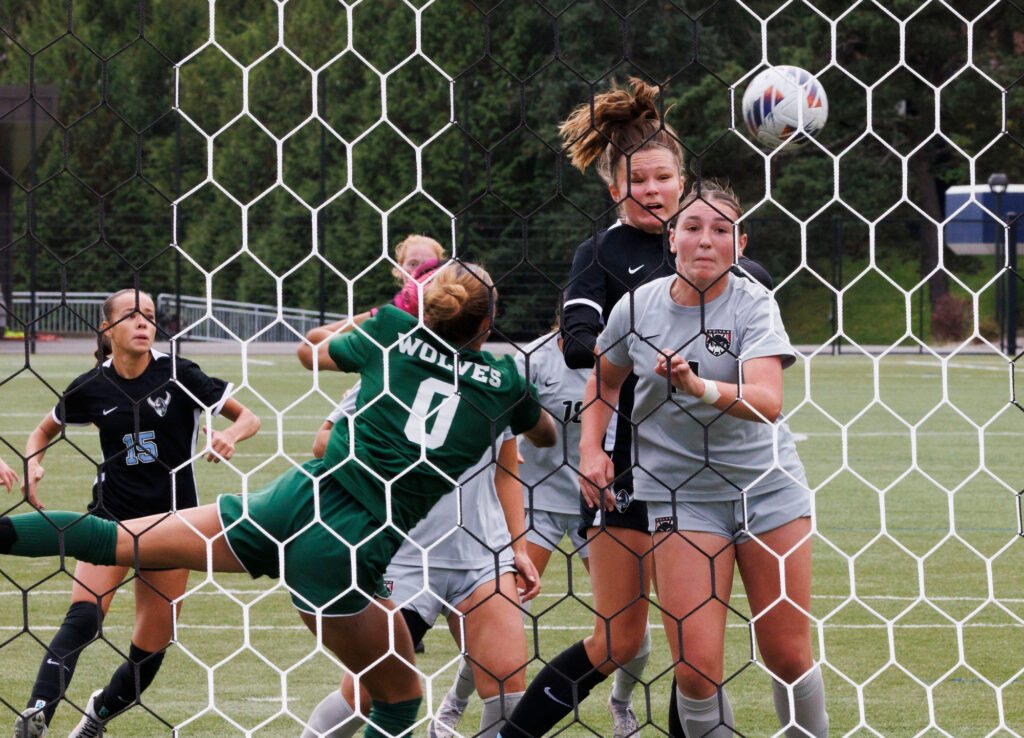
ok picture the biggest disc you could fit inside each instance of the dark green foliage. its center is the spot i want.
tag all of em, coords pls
(449, 127)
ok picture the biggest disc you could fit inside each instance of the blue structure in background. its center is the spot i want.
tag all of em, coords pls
(976, 232)
(973, 231)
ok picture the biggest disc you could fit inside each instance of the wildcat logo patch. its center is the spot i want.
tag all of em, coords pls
(159, 404)
(666, 524)
(717, 341)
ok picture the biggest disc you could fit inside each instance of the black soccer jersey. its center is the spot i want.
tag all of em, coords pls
(606, 267)
(148, 428)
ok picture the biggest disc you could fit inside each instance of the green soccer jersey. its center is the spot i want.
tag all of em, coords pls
(425, 413)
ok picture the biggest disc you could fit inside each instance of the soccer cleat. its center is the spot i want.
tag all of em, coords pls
(624, 721)
(91, 725)
(31, 723)
(447, 718)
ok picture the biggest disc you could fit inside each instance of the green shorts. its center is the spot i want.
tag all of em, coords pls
(281, 524)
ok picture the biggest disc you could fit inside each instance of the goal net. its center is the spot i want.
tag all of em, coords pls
(274, 154)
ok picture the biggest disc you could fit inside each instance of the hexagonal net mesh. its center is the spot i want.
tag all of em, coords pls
(263, 169)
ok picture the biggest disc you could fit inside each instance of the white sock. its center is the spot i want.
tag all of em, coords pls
(495, 713)
(464, 685)
(328, 718)
(627, 675)
(809, 701)
(708, 718)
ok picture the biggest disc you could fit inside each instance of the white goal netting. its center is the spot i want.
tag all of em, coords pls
(266, 157)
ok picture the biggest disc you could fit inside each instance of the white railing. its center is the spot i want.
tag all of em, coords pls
(214, 320)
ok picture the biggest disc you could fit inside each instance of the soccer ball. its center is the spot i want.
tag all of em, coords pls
(785, 105)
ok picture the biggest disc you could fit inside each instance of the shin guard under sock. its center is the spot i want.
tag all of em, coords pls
(809, 701)
(394, 718)
(554, 693)
(333, 718)
(129, 681)
(79, 628)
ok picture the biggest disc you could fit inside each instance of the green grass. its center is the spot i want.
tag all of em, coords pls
(917, 582)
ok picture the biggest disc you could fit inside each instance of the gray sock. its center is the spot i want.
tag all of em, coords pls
(495, 713)
(809, 701)
(627, 675)
(464, 685)
(327, 718)
(708, 718)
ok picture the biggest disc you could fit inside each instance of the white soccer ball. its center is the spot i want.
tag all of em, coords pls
(785, 105)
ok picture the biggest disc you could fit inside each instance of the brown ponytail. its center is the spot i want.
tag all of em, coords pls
(615, 125)
(457, 299)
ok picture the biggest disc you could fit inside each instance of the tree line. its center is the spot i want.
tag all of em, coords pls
(192, 151)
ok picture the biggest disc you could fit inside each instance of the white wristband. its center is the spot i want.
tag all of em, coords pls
(711, 392)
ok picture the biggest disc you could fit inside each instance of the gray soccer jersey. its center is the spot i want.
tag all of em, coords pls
(483, 528)
(743, 323)
(552, 473)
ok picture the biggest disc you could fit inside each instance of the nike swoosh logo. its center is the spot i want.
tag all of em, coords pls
(107, 412)
(55, 663)
(634, 270)
(553, 381)
(547, 691)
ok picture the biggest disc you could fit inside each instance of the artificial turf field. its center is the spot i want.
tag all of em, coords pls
(918, 564)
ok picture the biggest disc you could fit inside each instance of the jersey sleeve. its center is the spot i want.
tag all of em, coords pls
(73, 407)
(526, 413)
(614, 340)
(763, 333)
(583, 307)
(351, 351)
(211, 392)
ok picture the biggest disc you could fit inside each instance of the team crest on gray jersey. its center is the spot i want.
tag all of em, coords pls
(159, 404)
(717, 340)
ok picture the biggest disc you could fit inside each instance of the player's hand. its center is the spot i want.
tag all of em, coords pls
(8, 476)
(527, 578)
(222, 443)
(596, 475)
(679, 372)
(32, 476)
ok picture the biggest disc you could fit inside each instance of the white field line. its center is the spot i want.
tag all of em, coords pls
(583, 595)
(575, 628)
(798, 435)
(957, 367)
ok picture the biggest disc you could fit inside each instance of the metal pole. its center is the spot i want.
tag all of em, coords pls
(465, 167)
(1011, 286)
(1000, 233)
(320, 230)
(31, 200)
(6, 260)
(177, 250)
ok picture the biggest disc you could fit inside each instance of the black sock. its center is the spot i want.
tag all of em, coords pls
(129, 681)
(79, 628)
(554, 693)
(675, 728)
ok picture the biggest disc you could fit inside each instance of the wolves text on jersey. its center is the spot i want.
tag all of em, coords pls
(426, 352)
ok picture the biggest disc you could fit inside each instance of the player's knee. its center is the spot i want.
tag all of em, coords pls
(694, 683)
(502, 672)
(788, 666)
(621, 645)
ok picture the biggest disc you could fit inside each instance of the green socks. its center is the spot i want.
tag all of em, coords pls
(85, 537)
(394, 718)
